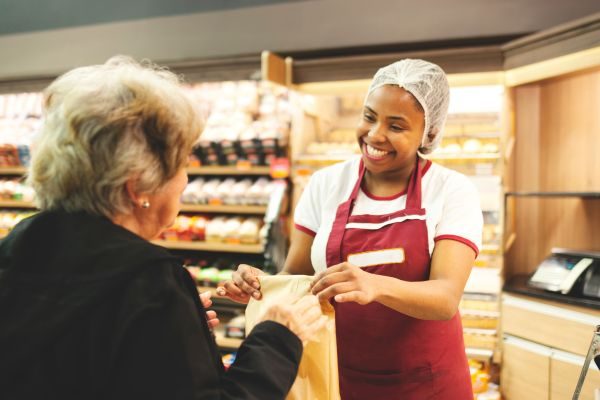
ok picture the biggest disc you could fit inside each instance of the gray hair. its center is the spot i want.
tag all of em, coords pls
(105, 124)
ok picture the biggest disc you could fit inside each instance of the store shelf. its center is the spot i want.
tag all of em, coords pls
(463, 157)
(211, 246)
(228, 170)
(13, 170)
(490, 248)
(322, 159)
(518, 285)
(227, 343)
(228, 209)
(16, 204)
(594, 195)
(479, 354)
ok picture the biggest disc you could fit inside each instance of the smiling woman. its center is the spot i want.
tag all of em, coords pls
(391, 238)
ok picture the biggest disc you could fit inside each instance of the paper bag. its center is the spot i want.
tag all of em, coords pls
(317, 377)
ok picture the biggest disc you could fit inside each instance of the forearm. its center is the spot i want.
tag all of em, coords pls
(266, 364)
(429, 300)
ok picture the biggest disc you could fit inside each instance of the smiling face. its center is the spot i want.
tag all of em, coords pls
(390, 130)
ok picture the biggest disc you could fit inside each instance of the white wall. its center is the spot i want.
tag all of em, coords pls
(294, 26)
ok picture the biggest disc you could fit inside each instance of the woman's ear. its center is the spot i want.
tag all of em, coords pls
(138, 199)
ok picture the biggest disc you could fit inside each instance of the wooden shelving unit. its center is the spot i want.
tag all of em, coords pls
(464, 157)
(210, 246)
(13, 170)
(16, 204)
(228, 170)
(227, 343)
(225, 209)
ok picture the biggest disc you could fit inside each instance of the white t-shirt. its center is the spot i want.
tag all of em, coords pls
(450, 200)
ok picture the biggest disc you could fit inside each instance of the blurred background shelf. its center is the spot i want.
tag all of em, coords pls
(226, 343)
(13, 170)
(16, 204)
(464, 157)
(229, 209)
(211, 246)
(228, 170)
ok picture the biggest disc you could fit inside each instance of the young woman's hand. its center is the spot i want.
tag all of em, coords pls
(345, 282)
(244, 283)
(303, 317)
(211, 316)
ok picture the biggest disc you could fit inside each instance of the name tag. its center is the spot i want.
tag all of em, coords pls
(377, 257)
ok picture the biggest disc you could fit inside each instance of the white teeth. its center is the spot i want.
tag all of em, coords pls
(372, 151)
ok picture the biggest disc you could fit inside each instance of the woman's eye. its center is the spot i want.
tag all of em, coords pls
(369, 118)
(396, 128)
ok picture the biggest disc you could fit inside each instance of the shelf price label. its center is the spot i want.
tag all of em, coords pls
(280, 168)
(243, 165)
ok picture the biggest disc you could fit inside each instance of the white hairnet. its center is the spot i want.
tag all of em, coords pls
(428, 83)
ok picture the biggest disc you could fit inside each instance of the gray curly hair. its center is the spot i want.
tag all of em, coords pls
(104, 124)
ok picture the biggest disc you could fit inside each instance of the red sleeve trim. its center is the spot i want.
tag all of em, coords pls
(459, 239)
(305, 230)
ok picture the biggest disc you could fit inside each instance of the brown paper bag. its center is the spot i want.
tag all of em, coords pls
(317, 377)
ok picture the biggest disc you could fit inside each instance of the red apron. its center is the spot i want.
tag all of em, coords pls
(384, 354)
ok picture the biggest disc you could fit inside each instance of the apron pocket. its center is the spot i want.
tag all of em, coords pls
(415, 384)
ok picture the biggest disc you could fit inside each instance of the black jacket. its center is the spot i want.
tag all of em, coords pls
(88, 310)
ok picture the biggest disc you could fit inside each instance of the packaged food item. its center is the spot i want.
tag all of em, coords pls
(228, 359)
(193, 192)
(231, 230)
(237, 195)
(236, 327)
(249, 230)
(215, 230)
(472, 146)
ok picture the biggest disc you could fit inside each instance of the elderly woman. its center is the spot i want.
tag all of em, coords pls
(392, 238)
(89, 308)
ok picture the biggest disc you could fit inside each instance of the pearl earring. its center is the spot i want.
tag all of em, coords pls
(145, 204)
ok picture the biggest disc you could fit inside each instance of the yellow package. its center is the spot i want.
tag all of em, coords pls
(317, 377)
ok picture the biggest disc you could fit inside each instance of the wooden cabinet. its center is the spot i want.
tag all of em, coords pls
(549, 323)
(534, 371)
(552, 177)
(525, 370)
(544, 348)
(564, 373)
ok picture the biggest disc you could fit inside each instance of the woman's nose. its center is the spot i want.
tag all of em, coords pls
(376, 134)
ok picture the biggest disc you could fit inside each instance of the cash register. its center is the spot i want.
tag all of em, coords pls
(569, 272)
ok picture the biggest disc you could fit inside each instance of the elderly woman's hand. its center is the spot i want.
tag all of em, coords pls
(211, 316)
(244, 283)
(303, 317)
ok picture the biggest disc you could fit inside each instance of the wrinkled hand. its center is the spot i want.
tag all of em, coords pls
(244, 283)
(211, 316)
(303, 317)
(345, 282)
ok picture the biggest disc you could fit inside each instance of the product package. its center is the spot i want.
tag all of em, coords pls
(317, 377)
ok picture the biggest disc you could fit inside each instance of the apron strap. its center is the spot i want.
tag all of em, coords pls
(413, 193)
(333, 251)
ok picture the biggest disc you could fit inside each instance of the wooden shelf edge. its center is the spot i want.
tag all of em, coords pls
(463, 157)
(16, 204)
(554, 194)
(479, 354)
(18, 170)
(229, 209)
(210, 246)
(228, 170)
(228, 343)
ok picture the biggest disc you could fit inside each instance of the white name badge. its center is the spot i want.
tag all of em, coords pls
(377, 257)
